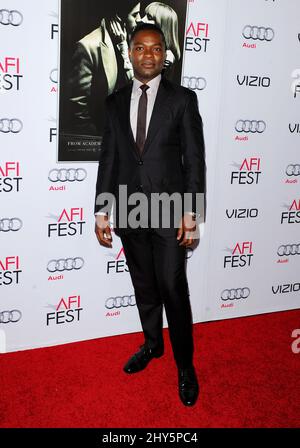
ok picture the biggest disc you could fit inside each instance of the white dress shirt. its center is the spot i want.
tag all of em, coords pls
(135, 97)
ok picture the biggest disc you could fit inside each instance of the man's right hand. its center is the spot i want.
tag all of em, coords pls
(103, 231)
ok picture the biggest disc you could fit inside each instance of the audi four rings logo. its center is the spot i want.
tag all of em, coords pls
(10, 316)
(65, 264)
(67, 175)
(10, 224)
(258, 33)
(288, 249)
(253, 126)
(53, 76)
(293, 169)
(194, 83)
(233, 294)
(120, 301)
(13, 125)
(13, 17)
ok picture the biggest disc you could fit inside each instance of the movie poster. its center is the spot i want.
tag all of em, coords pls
(94, 63)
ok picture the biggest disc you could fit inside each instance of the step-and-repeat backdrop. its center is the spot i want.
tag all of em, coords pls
(57, 285)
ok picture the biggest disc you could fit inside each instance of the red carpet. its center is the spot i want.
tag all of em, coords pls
(248, 374)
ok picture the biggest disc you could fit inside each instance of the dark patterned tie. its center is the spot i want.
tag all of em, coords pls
(141, 118)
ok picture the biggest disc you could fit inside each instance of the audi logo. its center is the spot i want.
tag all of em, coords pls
(235, 294)
(65, 264)
(13, 17)
(253, 126)
(13, 125)
(258, 33)
(67, 175)
(288, 249)
(293, 169)
(10, 224)
(120, 301)
(53, 76)
(10, 316)
(194, 83)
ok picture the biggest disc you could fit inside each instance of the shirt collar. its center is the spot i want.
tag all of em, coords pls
(153, 84)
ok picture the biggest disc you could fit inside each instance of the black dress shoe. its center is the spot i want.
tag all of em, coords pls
(188, 386)
(141, 359)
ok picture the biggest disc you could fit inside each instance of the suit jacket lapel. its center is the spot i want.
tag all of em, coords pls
(160, 108)
(108, 57)
(124, 114)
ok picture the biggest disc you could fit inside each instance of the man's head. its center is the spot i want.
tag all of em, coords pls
(133, 17)
(127, 12)
(147, 51)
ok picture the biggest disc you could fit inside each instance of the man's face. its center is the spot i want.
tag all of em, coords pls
(133, 17)
(147, 55)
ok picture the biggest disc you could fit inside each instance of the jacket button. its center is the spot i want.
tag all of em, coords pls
(140, 162)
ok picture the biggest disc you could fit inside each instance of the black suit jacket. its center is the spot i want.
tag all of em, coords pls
(173, 159)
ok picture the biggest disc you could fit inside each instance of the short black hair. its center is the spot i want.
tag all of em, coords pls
(120, 8)
(147, 27)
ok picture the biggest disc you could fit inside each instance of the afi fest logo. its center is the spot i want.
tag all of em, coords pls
(292, 216)
(53, 31)
(240, 256)
(10, 75)
(52, 134)
(296, 82)
(10, 177)
(197, 37)
(248, 172)
(9, 270)
(117, 265)
(69, 223)
(67, 310)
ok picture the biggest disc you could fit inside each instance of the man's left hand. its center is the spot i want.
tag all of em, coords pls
(118, 31)
(187, 231)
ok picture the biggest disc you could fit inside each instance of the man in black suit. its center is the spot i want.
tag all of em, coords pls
(153, 144)
(100, 65)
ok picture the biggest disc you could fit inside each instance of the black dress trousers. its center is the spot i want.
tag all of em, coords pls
(156, 264)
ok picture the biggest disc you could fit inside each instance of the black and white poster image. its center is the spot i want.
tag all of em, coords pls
(94, 62)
